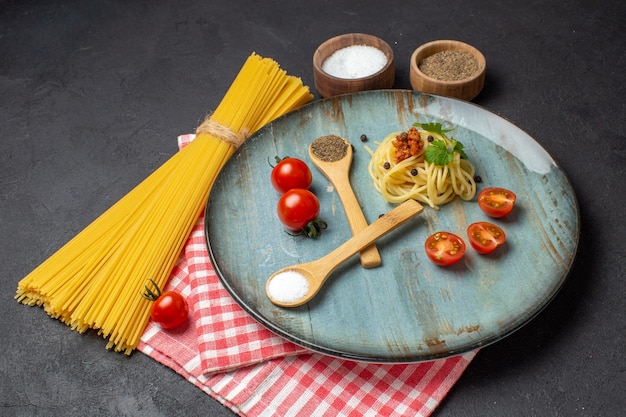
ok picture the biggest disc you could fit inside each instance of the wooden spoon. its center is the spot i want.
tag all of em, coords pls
(316, 272)
(332, 155)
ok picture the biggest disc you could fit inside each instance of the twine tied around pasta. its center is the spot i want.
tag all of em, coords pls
(220, 131)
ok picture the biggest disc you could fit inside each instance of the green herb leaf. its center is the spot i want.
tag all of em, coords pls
(458, 148)
(439, 153)
(433, 127)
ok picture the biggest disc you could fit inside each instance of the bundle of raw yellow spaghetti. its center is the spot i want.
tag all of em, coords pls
(95, 281)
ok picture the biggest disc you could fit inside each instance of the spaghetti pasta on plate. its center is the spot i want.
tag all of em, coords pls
(399, 175)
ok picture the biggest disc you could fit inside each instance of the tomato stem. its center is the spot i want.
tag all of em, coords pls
(150, 294)
(277, 159)
(312, 230)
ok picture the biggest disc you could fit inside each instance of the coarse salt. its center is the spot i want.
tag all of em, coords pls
(288, 287)
(356, 61)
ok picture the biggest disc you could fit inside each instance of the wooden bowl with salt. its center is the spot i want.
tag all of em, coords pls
(353, 62)
(448, 68)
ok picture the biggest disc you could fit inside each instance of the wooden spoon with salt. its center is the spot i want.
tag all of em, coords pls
(332, 155)
(310, 276)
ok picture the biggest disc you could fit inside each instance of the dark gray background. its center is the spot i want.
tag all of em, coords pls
(94, 93)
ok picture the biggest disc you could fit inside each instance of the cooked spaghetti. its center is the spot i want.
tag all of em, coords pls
(95, 280)
(400, 170)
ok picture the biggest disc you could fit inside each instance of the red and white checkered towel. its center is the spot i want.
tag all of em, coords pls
(252, 371)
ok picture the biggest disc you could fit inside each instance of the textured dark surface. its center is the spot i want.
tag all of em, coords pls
(93, 94)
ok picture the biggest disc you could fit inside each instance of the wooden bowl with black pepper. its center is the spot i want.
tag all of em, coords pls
(353, 62)
(448, 68)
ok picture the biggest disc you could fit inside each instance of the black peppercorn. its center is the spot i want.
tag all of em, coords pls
(404, 135)
(430, 138)
(477, 178)
(386, 165)
(364, 138)
(414, 171)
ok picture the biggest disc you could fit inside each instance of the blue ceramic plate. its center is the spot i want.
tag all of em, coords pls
(408, 309)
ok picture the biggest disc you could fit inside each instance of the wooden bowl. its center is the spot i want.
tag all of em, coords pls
(328, 85)
(465, 89)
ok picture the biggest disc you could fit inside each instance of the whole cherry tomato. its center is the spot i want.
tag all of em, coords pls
(496, 202)
(291, 173)
(298, 210)
(444, 248)
(485, 237)
(169, 309)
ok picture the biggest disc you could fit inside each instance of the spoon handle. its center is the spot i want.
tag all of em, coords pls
(370, 257)
(393, 219)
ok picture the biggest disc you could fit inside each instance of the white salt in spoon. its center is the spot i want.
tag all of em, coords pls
(332, 155)
(295, 285)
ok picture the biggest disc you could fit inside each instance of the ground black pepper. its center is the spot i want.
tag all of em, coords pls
(449, 65)
(329, 148)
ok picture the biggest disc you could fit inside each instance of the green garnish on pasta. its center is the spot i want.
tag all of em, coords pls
(433, 127)
(424, 164)
(441, 153)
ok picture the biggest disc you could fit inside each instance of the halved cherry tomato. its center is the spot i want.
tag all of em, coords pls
(169, 309)
(298, 210)
(291, 173)
(496, 202)
(444, 248)
(485, 237)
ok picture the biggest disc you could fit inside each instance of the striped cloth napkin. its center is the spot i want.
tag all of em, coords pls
(254, 372)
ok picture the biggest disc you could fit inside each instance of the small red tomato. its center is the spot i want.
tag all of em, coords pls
(169, 309)
(485, 237)
(290, 173)
(298, 210)
(496, 202)
(444, 248)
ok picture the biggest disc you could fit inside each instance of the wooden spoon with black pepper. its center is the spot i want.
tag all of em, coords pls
(332, 155)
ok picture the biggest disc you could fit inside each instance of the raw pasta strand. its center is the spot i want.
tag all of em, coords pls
(74, 251)
(125, 299)
(95, 280)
